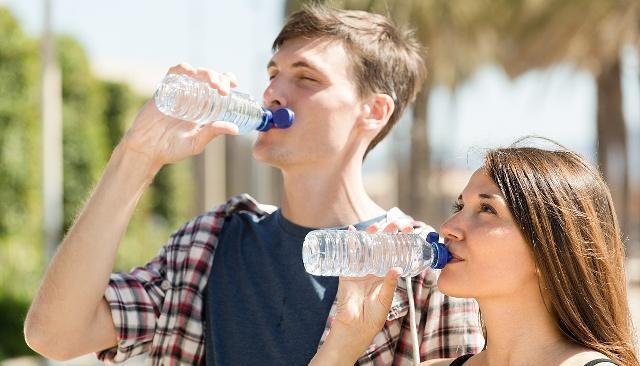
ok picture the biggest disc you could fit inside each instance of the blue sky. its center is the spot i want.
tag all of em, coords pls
(137, 41)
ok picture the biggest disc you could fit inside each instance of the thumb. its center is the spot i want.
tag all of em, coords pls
(389, 286)
(208, 132)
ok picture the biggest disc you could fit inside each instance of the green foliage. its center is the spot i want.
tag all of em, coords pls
(12, 314)
(18, 126)
(84, 143)
(96, 114)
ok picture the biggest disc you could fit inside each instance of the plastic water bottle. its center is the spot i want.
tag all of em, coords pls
(186, 98)
(357, 253)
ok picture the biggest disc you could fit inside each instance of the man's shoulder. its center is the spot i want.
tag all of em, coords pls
(215, 217)
(244, 203)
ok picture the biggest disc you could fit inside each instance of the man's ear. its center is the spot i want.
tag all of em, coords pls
(377, 111)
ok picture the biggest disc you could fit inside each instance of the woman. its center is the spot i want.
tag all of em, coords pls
(536, 242)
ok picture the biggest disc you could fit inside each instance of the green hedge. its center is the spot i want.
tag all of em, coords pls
(95, 115)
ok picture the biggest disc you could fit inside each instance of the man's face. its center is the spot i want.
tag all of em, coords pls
(314, 79)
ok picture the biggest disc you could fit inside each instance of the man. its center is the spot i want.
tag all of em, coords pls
(229, 287)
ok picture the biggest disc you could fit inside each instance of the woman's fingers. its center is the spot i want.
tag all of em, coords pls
(400, 225)
(389, 284)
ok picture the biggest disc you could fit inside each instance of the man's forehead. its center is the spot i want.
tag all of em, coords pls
(312, 53)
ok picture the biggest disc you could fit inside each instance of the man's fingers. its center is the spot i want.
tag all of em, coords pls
(223, 82)
(232, 78)
(218, 81)
(183, 68)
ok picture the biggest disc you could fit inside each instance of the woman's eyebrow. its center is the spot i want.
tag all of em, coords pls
(485, 196)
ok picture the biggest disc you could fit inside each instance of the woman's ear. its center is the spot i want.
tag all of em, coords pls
(377, 111)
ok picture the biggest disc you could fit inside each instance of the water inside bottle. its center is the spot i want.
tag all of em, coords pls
(194, 100)
(350, 253)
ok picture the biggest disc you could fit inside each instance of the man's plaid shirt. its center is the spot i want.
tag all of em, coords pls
(158, 308)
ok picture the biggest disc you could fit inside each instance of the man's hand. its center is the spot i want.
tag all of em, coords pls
(163, 139)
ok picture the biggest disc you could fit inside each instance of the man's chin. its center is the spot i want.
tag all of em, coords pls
(267, 154)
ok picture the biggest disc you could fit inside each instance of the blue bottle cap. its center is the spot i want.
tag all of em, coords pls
(442, 253)
(267, 120)
(283, 118)
(443, 256)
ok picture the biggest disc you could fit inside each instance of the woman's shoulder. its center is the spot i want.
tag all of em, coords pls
(584, 357)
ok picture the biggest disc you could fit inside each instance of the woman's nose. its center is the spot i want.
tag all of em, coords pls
(451, 229)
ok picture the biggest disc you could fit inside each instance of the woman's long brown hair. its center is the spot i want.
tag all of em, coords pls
(565, 212)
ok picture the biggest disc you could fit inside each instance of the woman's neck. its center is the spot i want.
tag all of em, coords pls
(521, 331)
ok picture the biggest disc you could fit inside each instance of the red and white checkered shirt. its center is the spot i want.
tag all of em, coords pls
(158, 308)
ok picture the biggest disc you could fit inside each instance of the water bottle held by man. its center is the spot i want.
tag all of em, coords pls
(189, 99)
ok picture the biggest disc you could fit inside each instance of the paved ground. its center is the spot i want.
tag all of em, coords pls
(633, 274)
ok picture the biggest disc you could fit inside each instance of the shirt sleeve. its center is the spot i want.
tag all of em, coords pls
(135, 299)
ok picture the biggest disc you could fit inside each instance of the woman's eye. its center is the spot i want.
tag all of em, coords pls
(457, 207)
(307, 78)
(271, 77)
(487, 208)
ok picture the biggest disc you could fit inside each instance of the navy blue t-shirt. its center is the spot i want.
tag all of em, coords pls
(261, 306)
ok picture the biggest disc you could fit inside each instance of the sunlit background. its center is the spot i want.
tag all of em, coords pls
(498, 70)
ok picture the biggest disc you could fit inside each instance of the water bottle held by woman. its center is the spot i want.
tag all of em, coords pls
(357, 253)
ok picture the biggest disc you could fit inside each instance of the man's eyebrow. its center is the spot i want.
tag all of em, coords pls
(304, 64)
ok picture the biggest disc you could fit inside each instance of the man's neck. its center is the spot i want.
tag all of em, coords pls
(327, 197)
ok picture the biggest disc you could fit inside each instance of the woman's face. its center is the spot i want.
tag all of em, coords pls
(491, 257)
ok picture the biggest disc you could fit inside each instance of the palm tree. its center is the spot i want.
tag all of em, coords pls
(591, 35)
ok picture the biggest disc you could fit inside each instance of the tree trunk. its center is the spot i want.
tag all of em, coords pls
(417, 195)
(612, 140)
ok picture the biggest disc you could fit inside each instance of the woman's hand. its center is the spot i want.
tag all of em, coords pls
(363, 304)
(362, 307)
(163, 139)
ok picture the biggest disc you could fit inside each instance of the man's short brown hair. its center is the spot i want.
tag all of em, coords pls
(385, 58)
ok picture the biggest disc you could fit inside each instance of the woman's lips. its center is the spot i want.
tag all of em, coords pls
(454, 256)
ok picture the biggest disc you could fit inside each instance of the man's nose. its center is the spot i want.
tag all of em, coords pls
(274, 95)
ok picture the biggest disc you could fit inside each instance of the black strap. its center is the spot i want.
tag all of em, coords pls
(599, 360)
(460, 360)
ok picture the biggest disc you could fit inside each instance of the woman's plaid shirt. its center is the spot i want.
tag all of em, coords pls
(158, 308)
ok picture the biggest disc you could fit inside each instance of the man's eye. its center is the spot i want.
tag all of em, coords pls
(271, 77)
(307, 78)
(456, 207)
